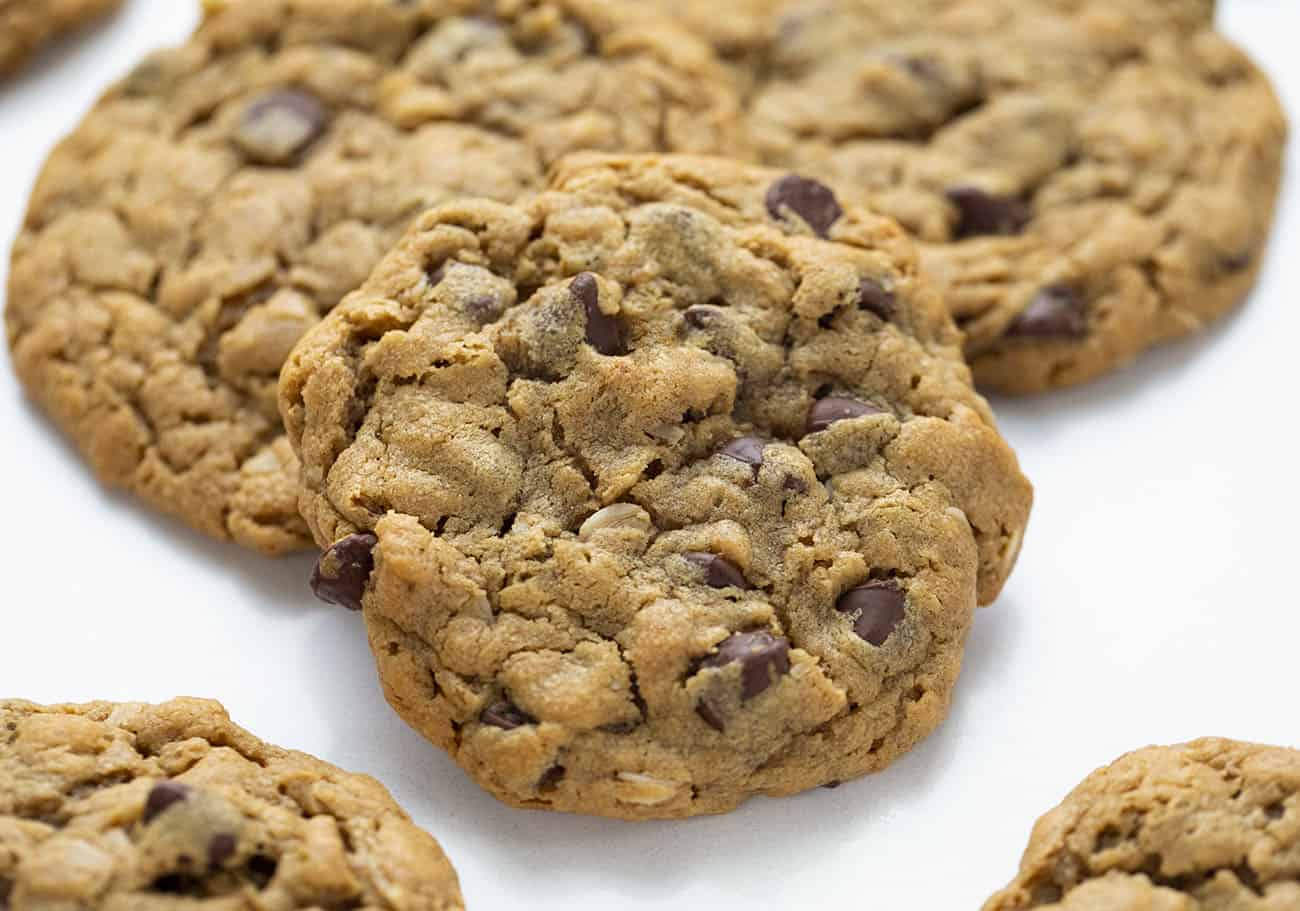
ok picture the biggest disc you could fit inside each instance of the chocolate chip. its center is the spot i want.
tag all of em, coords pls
(1239, 263)
(746, 449)
(796, 484)
(874, 298)
(603, 331)
(710, 715)
(550, 778)
(506, 715)
(162, 796)
(719, 572)
(832, 785)
(981, 214)
(828, 411)
(342, 572)
(220, 849)
(1055, 312)
(280, 125)
(701, 316)
(810, 200)
(762, 658)
(880, 607)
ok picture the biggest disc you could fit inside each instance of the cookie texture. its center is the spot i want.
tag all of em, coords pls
(1212, 825)
(133, 806)
(228, 193)
(1088, 179)
(662, 489)
(26, 25)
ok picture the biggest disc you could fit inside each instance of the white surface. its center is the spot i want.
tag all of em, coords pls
(1150, 605)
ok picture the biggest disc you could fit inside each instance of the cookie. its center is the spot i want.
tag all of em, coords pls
(225, 195)
(1212, 825)
(135, 806)
(26, 25)
(1088, 179)
(660, 490)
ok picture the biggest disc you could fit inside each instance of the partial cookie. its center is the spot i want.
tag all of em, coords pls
(1212, 825)
(228, 193)
(738, 29)
(1089, 179)
(26, 25)
(661, 490)
(132, 806)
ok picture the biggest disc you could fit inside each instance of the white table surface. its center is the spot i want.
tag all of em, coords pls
(1154, 602)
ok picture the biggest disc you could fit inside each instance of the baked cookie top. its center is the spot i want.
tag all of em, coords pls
(26, 25)
(1212, 825)
(228, 193)
(173, 806)
(1088, 178)
(664, 488)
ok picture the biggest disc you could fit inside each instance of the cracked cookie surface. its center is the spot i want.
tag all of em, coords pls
(1212, 825)
(27, 25)
(133, 806)
(1088, 179)
(228, 193)
(655, 498)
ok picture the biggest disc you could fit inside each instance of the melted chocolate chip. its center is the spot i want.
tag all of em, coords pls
(746, 449)
(762, 658)
(342, 572)
(550, 778)
(603, 331)
(719, 572)
(810, 200)
(280, 125)
(874, 298)
(1239, 263)
(506, 715)
(710, 715)
(1055, 312)
(832, 409)
(981, 214)
(220, 849)
(162, 796)
(880, 607)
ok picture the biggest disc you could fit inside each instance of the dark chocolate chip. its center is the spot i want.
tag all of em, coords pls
(1055, 312)
(880, 607)
(762, 658)
(342, 572)
(828, 411)
(746, 449)
(832, 785)
(550, 778)
(220, 849)
(875, 298)
(1239, 263)
(506, 715)
(279, 126)
(261, 869)
(603, 331)
(719, 572)
(796, 484)
(162, 796)
(710, 715)
(810, 200)
(981, 214)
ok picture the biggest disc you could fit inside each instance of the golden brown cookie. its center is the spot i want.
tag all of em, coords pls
(132, 806)
(660, 490)
(228, 193)
(27, 25)
(1088, 179)
(1212, 825)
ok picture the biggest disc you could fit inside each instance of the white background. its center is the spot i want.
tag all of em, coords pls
(1155, 601)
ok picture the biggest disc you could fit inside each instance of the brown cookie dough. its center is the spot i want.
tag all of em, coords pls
(1088, 179)
(1212, 825)
(228, 193)
(132, 806)
(26, 25)
(661, 490)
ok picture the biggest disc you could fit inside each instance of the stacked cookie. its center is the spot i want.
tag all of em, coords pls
(623, 378)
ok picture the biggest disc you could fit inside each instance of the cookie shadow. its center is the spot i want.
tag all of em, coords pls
(525, 851)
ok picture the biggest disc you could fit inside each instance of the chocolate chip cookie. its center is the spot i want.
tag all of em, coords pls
(660, 490)
(1089, 179)
(228, 193)
(1212, 825)
(26, 25)
(131, 806)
